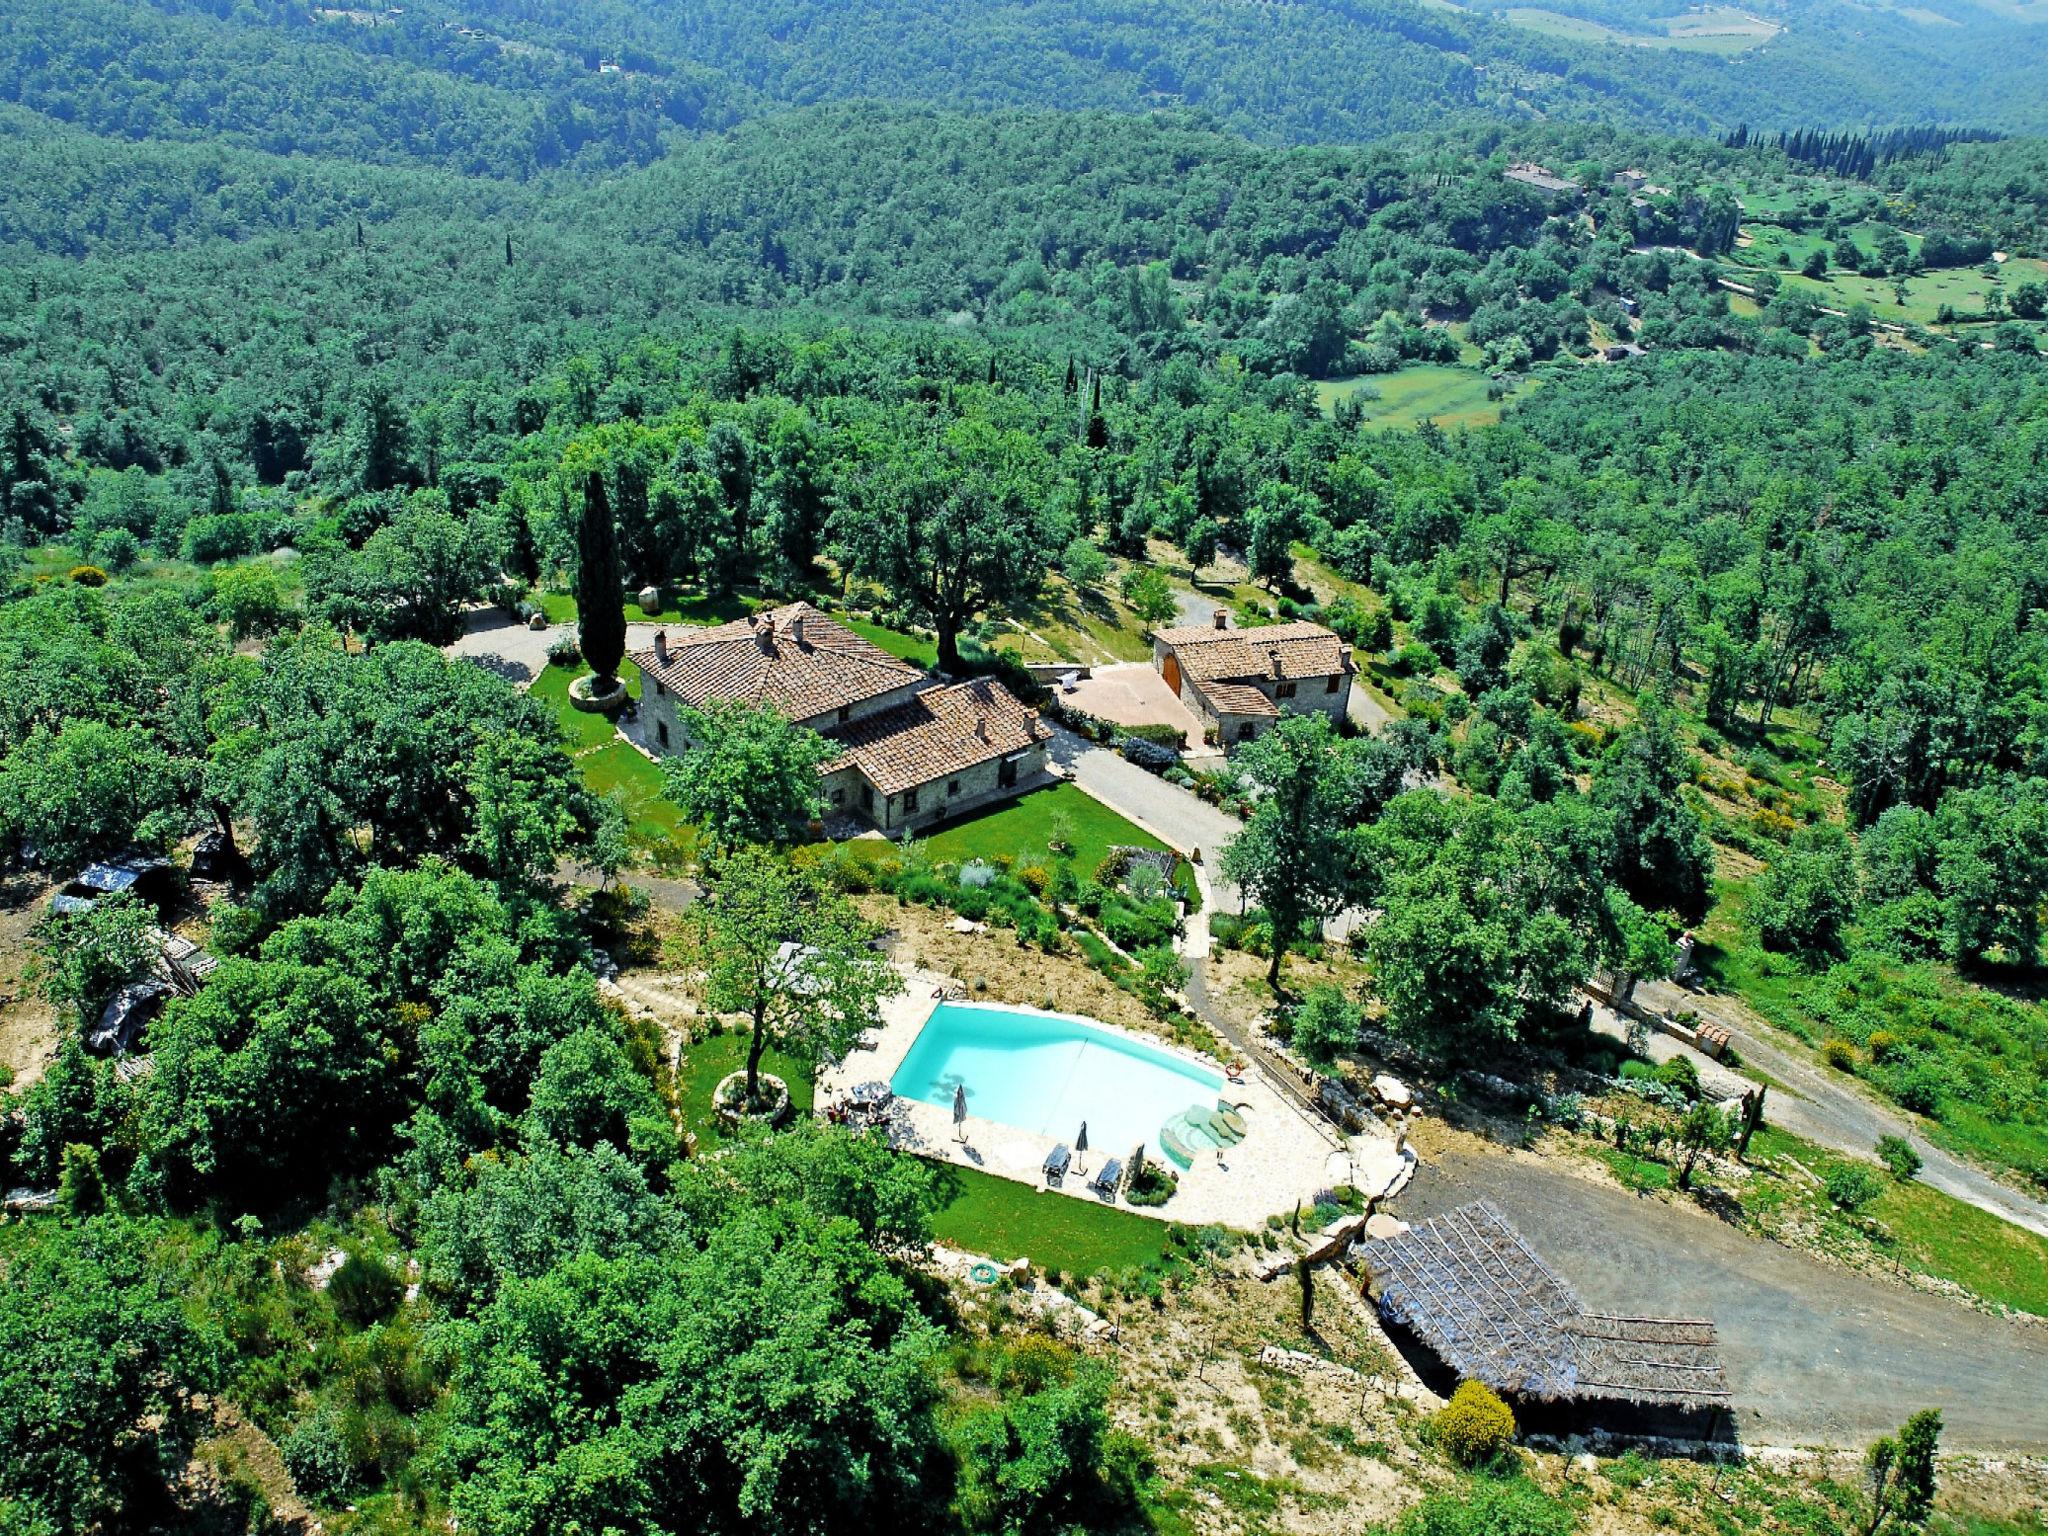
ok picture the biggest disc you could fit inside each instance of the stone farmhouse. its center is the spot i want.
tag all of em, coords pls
(913, 751)
(1240, 681)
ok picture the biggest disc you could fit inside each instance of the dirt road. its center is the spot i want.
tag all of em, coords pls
(1816, 1354)
(1837, 1112)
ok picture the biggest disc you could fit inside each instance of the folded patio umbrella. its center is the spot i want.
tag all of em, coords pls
(1081, 1141)
(959, 1105)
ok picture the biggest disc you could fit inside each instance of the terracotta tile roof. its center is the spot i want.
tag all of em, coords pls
(1305, 650)
(793, 657)
(1237, 699)
(941, 731)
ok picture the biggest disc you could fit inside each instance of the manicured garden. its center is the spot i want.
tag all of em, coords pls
(583, 728)
(1008, 1220)
(1028, 824)
(707, 1062)
(978, 1211)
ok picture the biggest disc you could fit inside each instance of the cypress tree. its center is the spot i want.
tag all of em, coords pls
(600, 602)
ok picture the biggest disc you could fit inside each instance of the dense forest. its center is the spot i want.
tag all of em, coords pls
(1719, 613)
(513, 89)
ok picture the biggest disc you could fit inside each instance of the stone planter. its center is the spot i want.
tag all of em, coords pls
(728, 1100)
(607, 704)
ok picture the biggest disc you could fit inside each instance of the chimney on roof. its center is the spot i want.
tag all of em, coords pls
(1273, 655)
(764, 634)
(661, 646)
(1222, 618)
(796, 630)
(981, 727)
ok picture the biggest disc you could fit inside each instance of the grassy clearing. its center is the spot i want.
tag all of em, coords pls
(1919, 1227)
(1067, 625)
(1714, 29)
(705, 1065)
(1025, 826)
(1967, 1033)
(560, 608)
(1008, 1220)
(1962, 289)
(1450, 396)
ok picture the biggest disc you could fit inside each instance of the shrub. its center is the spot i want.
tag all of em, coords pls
(1149, 755)
(364, 1290)
(1490, 1507)
(565, 652)
(316, 1454)
(1171, 736)
(1412, 660)
(88, 576)
(1920, 1088)
(1475, 1426)
(1899, 1155)
(1883, 1045)
(1151, 1184)
(116, 549)
(1681, 1074)
(1838, 1053)
(1852, 1185)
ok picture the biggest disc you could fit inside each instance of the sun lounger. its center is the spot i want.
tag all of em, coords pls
(1057, 1161)
(1108, 1179)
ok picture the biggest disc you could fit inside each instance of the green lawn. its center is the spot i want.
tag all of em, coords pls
(1930, 1233)
(705, 1065)
(911, 648)
(1008, 1220)
(560, 608)
(610, 763)
(1025, 825)
(583, 728)
(1450, 396)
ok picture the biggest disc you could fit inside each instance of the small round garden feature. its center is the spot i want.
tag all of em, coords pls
(770, 1106)
(609, 704)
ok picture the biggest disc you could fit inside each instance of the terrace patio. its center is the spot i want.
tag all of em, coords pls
(1284, 1158)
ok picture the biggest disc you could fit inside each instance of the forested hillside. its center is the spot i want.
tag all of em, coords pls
(512, 89)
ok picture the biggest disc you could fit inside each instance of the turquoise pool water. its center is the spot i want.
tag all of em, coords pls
(1049, 1072)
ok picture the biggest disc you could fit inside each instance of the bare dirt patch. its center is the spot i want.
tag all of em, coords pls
(1008, 972)
(29, 1029)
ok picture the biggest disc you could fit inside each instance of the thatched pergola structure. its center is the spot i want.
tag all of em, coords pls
(1476, 1294)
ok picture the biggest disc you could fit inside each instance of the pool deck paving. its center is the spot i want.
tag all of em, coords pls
(1285, 1158)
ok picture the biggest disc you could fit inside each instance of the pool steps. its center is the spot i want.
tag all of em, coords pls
(1197, 1128)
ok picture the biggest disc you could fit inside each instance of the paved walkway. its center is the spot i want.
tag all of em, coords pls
(1816, 1354)
(503, 645)
(1830, 1109)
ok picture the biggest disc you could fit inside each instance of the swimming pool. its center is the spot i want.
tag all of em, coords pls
(1048, 1072)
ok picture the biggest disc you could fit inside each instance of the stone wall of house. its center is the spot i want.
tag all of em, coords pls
(978, 786)
(658, 709)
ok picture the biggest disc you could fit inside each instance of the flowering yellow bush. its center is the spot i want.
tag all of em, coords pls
(88, 576)
(1475, 1425)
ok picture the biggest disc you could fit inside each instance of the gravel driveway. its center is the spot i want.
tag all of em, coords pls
(1816, 1354)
